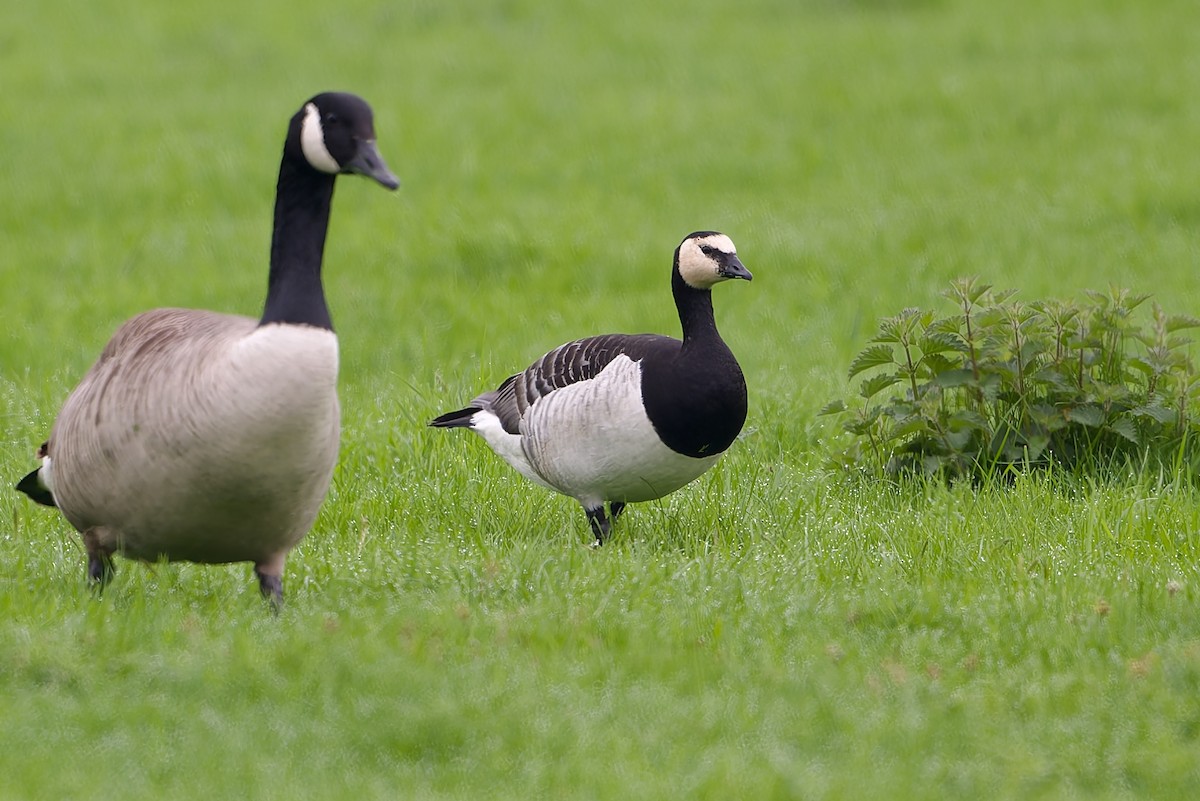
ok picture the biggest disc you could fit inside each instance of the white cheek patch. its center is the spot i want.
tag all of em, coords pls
(698, 270)
(312, 142)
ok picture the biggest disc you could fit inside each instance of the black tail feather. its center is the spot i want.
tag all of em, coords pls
(459, 419)
(31, 485)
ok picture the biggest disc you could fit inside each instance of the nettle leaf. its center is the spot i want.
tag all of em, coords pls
(990, 385)
(966, 289)
(871, 356)
(951, 325)
(1000, 297)
(1047, 416)
(991, 317)
(1174, 343)
(1156, 412)
(1129, 302)
(1177, 321)
(967, 420)
(1125, 428)
(1054, 376)
(901, 410)
(936, 342)
(859, 428)
(950, 379)
(862, 423)
(1088, 415)
(1031, 350)
(959, 441)
(1035, 446)
(900, 327)
(936, 364)
(1144, 366)
(911, 426)
(833, 407)
(1109, 394)
(877, 383)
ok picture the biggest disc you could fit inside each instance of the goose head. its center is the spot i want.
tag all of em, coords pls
(334, 133)
(706, 258)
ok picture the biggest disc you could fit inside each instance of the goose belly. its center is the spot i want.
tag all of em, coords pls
(224, 456)
(593, 441)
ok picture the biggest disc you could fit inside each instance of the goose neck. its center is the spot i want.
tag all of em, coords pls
(695, 313)
(295, 293)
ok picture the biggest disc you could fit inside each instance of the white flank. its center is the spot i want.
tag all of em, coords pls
(593, 441)
(507, 446)
(698, 270)
(312, 142)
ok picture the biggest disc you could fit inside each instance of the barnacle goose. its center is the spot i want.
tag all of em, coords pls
(212, 437)
(621, 418)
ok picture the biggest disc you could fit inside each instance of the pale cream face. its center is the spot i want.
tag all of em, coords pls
(697, 268)
(312, 142)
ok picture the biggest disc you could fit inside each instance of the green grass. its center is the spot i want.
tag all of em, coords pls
(770, 631)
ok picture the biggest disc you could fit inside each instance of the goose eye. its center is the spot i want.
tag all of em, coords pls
(330, 118)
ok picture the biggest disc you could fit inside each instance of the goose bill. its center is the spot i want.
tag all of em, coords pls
(368, 162)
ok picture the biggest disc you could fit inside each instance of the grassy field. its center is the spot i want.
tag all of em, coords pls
(772, 631)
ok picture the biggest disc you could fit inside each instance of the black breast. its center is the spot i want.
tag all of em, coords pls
(695, 398)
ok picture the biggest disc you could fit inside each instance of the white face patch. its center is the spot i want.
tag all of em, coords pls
(312, 142)
(699, 270)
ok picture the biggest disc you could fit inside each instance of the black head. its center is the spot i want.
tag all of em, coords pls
(335, 133)
(706, 258)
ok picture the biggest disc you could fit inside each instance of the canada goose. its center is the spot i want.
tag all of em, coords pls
(622, 418)
(212, 437)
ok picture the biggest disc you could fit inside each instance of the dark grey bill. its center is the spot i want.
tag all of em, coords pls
(368, 162)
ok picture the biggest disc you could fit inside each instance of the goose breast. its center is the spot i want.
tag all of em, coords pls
(201, 436)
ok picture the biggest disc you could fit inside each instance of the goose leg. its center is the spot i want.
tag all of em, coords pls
(615, 508)
(600, 523)
(270, 579)
(271, 587)
(100, 566)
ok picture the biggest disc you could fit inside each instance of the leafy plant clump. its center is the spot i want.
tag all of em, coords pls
(1003, 385)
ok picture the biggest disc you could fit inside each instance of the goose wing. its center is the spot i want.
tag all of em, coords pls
(580, 360)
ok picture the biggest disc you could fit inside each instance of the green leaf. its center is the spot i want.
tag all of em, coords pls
(1056, 377)
(959, 440)
(954, 378)
(871, 356)
(901, 410)
(877, 383)
(1088, 415)
(1046, 416)
(1125, 428)
(913, 425)
(833, 407)
(1031, 350)
(1156, 412)
(937, 342)
(937, 364)
(862, 423)
(1035, 446)
(967, 420)
(1178, 321)
(1143, 366)
(947, 325)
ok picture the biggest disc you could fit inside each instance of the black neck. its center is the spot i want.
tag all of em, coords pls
(695, 312)
(696, 397)
(294, 290)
